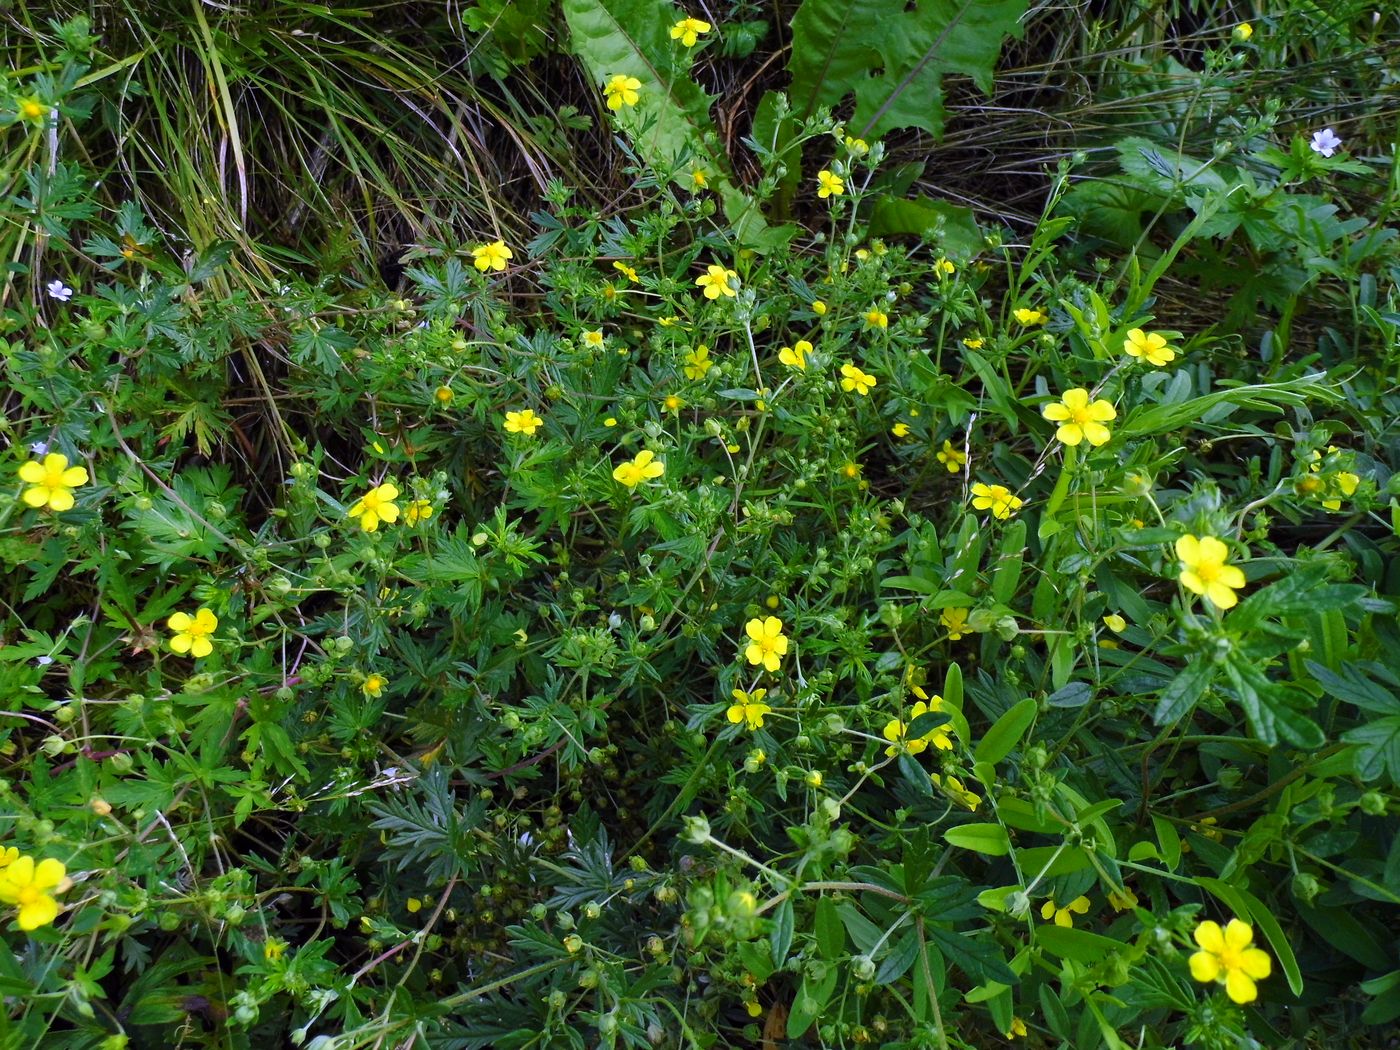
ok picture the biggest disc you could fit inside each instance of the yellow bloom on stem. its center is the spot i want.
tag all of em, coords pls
(51, 482)
(30, 887)
(418, 510)
(897, 731)
(954, 621)
(1226, 955)
(493, 256)
(673, 403)
(952, 458)
(523, 422)
(829, 184)
(717, 281)
(1115, 623)
(33, 108)
(273, 949)
(877, 318)
(1031, 316)
(1080, 419)
(858, 147)
(622, 90)
(954, 789)
(853, 379)
(748, 708)
(996, 498)
(595, 338)
(698, 179)
(626, 271)
(373, 685)
(975, 343)
(1017, 1029)
(767, 643)
(943, 268)
(688, 30)
(375, 506)
(444, 395)
(818, 307)
(1063, 916)
(698, 362)
(192, 632)
(1149, 347)
(795, 356)
(1344, 484)
(1242, 32)
(1123, 901)
(1204, 570)
(643, 468)
(900, 429)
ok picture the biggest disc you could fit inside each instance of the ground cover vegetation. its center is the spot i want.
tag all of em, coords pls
(607, 523)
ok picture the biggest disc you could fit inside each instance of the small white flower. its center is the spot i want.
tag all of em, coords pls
(43, 661)
(615, 620)
(60, 291)
(40, 448)
(1325, 142)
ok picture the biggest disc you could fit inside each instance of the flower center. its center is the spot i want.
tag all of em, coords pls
(1081, 415)
(1208, 571)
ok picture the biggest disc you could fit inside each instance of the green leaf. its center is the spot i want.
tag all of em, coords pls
(1078, 945)
(1006, 732)
(974, 956)
(830, 934)
(990, 839)
(893, 57)
(1377, 748)
(810, 1001)
(1278, 941)
(1184, 691)
(1006, 573)
(949, 225)
(780, 936)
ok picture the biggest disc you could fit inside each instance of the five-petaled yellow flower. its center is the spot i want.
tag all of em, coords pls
(954, 621)
(626, 271)
(952, 457)
(767, 643)
(698, 179)
(717, 281)
(1030, 317)
(1226, 955)
(33, 108)
(853, 379)
(900, 429)
(688, 30)
(1149, 347)
(643, 468)
(595, 338)
(1242, 32)
(1204, 570)
(748, 708)
(493, 256)
(192, 632)
(698, 362)
(897, 731)
(523, 422)
(375, 506)
(954, 789)
(51, 482)
(943, 268)
(1080, 419)
(877, 318)
(1062, 916)
(996, 498)
(829, 184)
(795, 356)
(418, 510)
(30, 887)
(373, 685)
(622, 90)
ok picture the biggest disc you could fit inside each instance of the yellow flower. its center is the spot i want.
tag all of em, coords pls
(829, 185)
(1345, 483)
(1030, 317)
(1204, 570)
(698, 362)
(996, 498)
(1115, 623)
(688, 30)
(853, 379)
(1123, 901)
(1242, 32)
(795, 356)
(643, 468)
(1017, 1029)
(952, 458)
(1079, 418)
(622, 90)
(749, 708)
(954, 789)
(375, 506)
(858, 147)
(373, 686)
(8, 855)
(767, 643)
(30, 886)
(673, 403)
(33, 108)
(975, 343)
(850, 471)
(192, 632)
(274, 949)
(877, 318)
(523, 422)
(414, 905)
(1226, 955)
(896, 731)
(718, 281)
(818, 307)
(418, 510)
(1062, 916)
(493, 256)
(900, 429)
(698, 179)
(954, 621)
(943, 268)
(595, 338)
(51, 482)
(626, 271)
(443, 395)
(1149, 347)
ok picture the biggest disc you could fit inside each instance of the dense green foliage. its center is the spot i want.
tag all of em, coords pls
(840, 524)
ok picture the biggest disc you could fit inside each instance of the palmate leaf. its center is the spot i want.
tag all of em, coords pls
(837, 43)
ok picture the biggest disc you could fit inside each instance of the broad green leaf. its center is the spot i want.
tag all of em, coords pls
(780, 936)
(1184, 691)
(1278, 941)
(893, 56)
(831, 936)
(978, 958)
(951, 226)
(1377, 748)
(1079, 945)
(1264, 397)
(990, 839)
(1006, 573)
(810, 1001)
(1006, 732)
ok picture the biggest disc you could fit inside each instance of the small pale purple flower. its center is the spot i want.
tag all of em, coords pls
(1325, 142)
(60, 291)
(40, 448)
